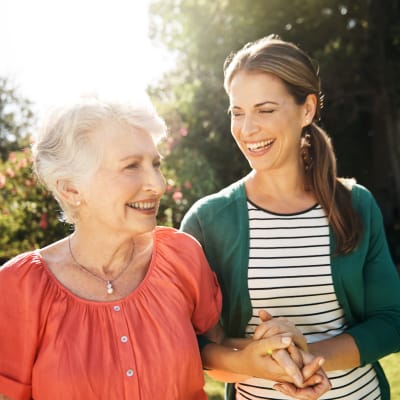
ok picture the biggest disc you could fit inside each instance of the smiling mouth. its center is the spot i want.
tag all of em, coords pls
(144, 206)
(258, 146)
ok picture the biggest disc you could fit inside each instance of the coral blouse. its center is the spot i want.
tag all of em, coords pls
(55, 345)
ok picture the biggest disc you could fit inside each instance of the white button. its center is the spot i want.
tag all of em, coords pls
(117, 308)
(124, 339)
(129, 372)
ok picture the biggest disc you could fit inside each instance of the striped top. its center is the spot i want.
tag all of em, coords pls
(289, 275)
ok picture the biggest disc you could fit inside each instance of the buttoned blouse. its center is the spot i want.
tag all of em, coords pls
(56, 345)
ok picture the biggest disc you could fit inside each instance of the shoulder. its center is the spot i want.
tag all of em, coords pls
(213, 204)
(361, 197)
(174, 240)
(25, 273)
(363, 200)
(179, 252)
(21, 264)
(364, 203)
(23, 281)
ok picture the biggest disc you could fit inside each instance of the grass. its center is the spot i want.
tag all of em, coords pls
(391, 365)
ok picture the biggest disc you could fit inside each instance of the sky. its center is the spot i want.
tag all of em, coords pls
(53, 51)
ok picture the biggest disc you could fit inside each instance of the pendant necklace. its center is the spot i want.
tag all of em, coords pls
(108, 282)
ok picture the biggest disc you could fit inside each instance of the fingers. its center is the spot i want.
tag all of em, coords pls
(311, 365)
(307, 393)
(296, 355)
(264, 315)
(283, 358)
(265, 330)
(268, 345)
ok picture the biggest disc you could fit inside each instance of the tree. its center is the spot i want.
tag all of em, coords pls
(16, 118)
(29, 216)
(357, 45)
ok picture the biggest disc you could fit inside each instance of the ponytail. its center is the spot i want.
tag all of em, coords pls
(332, 193)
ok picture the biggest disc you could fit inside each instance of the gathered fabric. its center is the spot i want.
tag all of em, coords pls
(56, 345)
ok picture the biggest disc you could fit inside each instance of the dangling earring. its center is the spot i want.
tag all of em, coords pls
(305, 148)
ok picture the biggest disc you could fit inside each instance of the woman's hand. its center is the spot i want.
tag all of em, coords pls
(314, 381)
(272, 326)
(230, 364)
(315, 385)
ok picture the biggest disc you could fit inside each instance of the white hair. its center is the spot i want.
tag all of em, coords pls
(64, 149)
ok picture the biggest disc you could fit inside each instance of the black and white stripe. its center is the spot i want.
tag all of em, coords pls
(289, 275)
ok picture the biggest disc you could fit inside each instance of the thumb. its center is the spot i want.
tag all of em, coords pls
(267, 345)
(264, 315)
(312, 365)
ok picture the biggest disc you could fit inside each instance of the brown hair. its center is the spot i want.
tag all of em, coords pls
(301, 78)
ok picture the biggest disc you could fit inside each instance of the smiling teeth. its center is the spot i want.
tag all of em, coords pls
(259, 145)
(142, 206)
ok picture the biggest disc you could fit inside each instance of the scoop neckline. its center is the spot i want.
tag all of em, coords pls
(80, 299)
(314, 206)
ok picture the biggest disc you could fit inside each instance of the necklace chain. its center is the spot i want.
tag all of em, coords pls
(108, 282)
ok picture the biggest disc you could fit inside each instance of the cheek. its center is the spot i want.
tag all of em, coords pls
(163, 183)
(235, 129)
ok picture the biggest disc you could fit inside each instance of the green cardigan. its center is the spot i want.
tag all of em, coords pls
(366, 281)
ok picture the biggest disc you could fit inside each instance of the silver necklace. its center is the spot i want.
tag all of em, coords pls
(108, 282)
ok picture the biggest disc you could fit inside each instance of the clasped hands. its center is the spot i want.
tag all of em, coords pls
(278, 352)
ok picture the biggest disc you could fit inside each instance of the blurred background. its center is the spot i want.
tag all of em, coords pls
(174, 51)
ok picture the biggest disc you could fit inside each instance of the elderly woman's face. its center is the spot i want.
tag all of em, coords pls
(125, 192)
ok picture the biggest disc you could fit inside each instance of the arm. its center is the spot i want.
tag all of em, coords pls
(3, 397)
(228, 360)
(236, 365)
(340, 352)
(370, 295)
(233, 365)
(276, 348)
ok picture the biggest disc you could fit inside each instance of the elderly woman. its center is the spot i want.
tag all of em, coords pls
(111, 311)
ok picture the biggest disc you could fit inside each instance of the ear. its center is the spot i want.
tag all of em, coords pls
(310, 107)
(68, 192)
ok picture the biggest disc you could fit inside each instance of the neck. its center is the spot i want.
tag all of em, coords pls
(105, 257)
(279, 191)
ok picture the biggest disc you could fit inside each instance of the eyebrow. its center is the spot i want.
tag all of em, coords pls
(258, 104)
(139, 157)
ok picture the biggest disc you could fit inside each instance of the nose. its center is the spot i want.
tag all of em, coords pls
(248, 127)
(155, 183)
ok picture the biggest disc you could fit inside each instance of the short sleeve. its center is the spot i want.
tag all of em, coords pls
(18, 327)
(209, 300)
(197, 279)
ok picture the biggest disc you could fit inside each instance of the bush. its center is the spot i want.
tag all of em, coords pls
(29, 216)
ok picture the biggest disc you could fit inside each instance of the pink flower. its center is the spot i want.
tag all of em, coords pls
(183, 131)
(12, 157)
(187, 185)
(10, 172)
(23, 163)
(2, 180)
(43, 221)
(177, 196)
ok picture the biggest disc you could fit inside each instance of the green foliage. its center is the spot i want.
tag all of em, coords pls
(16, 118)
(28, 214)
(187, 173)
(357, 45)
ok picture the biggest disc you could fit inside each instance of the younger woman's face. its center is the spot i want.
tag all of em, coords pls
(266, 122)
